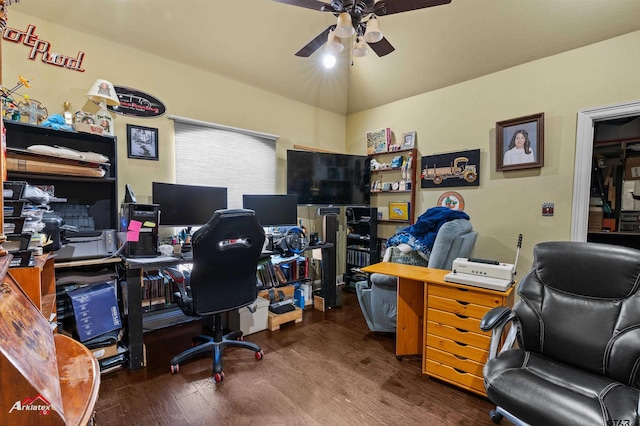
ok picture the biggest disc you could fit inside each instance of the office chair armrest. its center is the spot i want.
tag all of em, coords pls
(183, 296)
(494, 317)
(495, 321)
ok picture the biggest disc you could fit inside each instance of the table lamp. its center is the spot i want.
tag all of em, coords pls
(103, 93)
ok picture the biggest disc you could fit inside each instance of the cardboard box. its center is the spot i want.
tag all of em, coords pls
(106, 351)
(96, 310)
(632, 168)
(595, 219)
(88, 128)
(250, 322)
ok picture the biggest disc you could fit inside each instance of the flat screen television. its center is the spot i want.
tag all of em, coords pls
(273, 210)
(328, 179)
(187, 205)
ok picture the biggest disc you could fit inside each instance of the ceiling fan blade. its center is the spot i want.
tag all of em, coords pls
(383, 47)
(397, 6)
(309, 4)
(315, 44)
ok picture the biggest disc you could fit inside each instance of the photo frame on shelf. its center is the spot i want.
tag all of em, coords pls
(409, 140)
(398, 210)
(520, 143)
(142, 142)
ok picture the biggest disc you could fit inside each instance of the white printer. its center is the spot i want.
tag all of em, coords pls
(483, 273)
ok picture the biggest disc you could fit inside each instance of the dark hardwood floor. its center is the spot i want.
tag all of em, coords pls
(327, 370)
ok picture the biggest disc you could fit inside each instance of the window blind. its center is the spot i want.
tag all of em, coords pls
(210, 154)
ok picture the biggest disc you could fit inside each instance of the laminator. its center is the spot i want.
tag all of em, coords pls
(483, 273)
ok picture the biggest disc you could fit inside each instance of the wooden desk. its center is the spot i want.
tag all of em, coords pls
(440, 321)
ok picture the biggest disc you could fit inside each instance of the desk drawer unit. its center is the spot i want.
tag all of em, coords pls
(455, 347)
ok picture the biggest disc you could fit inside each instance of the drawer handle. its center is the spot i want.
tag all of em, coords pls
(459, 343)
(460, 371)
(461, 330)
(461, 316)
(461, 302)
(460, 357)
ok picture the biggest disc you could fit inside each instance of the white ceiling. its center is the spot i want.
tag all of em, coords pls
(254, 41)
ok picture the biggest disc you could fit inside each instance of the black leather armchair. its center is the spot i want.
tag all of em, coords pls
(225, 256)
(577, 327)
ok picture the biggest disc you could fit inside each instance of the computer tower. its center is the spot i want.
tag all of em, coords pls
(140, 220)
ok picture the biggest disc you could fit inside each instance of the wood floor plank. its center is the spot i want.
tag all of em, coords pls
(328, 370)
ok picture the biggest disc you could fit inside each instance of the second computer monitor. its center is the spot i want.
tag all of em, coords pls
(273, 210)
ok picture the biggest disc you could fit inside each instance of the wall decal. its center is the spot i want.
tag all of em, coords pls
(42, 47)
(135, 103)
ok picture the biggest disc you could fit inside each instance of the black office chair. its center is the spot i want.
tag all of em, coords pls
(577, 325)
(225, 256)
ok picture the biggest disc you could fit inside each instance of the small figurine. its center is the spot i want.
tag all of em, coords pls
(68, 118)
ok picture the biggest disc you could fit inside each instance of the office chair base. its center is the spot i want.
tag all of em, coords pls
(499, 413)
(207, 345)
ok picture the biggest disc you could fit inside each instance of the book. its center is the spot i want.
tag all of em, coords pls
(378, 141)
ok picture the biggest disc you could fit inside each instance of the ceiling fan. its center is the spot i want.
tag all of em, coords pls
(360, 13)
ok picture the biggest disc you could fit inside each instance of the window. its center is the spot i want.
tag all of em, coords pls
(209, 154)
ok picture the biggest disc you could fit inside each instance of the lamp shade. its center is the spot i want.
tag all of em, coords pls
(344, 28)
(103, 91)
(334, 45)
(373, 33)
(360, 48)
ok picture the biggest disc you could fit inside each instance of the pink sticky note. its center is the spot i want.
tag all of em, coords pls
(135, 225)
(133, 236)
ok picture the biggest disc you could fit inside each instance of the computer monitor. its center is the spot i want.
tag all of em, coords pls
(273, 210)
(187, 205)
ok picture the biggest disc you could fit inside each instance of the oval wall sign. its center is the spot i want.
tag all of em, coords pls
(137, 104)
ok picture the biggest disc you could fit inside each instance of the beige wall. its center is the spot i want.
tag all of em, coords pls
(463, 117)
(185, 91)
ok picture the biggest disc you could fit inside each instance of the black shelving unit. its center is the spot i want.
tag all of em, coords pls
(99, 194)
(362, 243)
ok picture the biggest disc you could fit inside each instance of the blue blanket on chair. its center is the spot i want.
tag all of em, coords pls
(422, 234)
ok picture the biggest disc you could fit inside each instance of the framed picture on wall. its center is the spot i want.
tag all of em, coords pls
(520, 143)
(142, 142)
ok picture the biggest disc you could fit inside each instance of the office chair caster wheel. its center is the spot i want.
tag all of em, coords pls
(495, 416)
(399, 357)
(218, 377)
(175, 368)
(259, 355)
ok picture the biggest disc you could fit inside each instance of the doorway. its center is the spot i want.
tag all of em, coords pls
(584, 153)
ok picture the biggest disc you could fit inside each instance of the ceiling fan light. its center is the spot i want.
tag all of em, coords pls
(373, 33)
(329, 61)
(360, 48)
(334, 45)
(344, 27)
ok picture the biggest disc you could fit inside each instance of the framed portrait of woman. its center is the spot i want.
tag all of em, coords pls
(520, 143)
